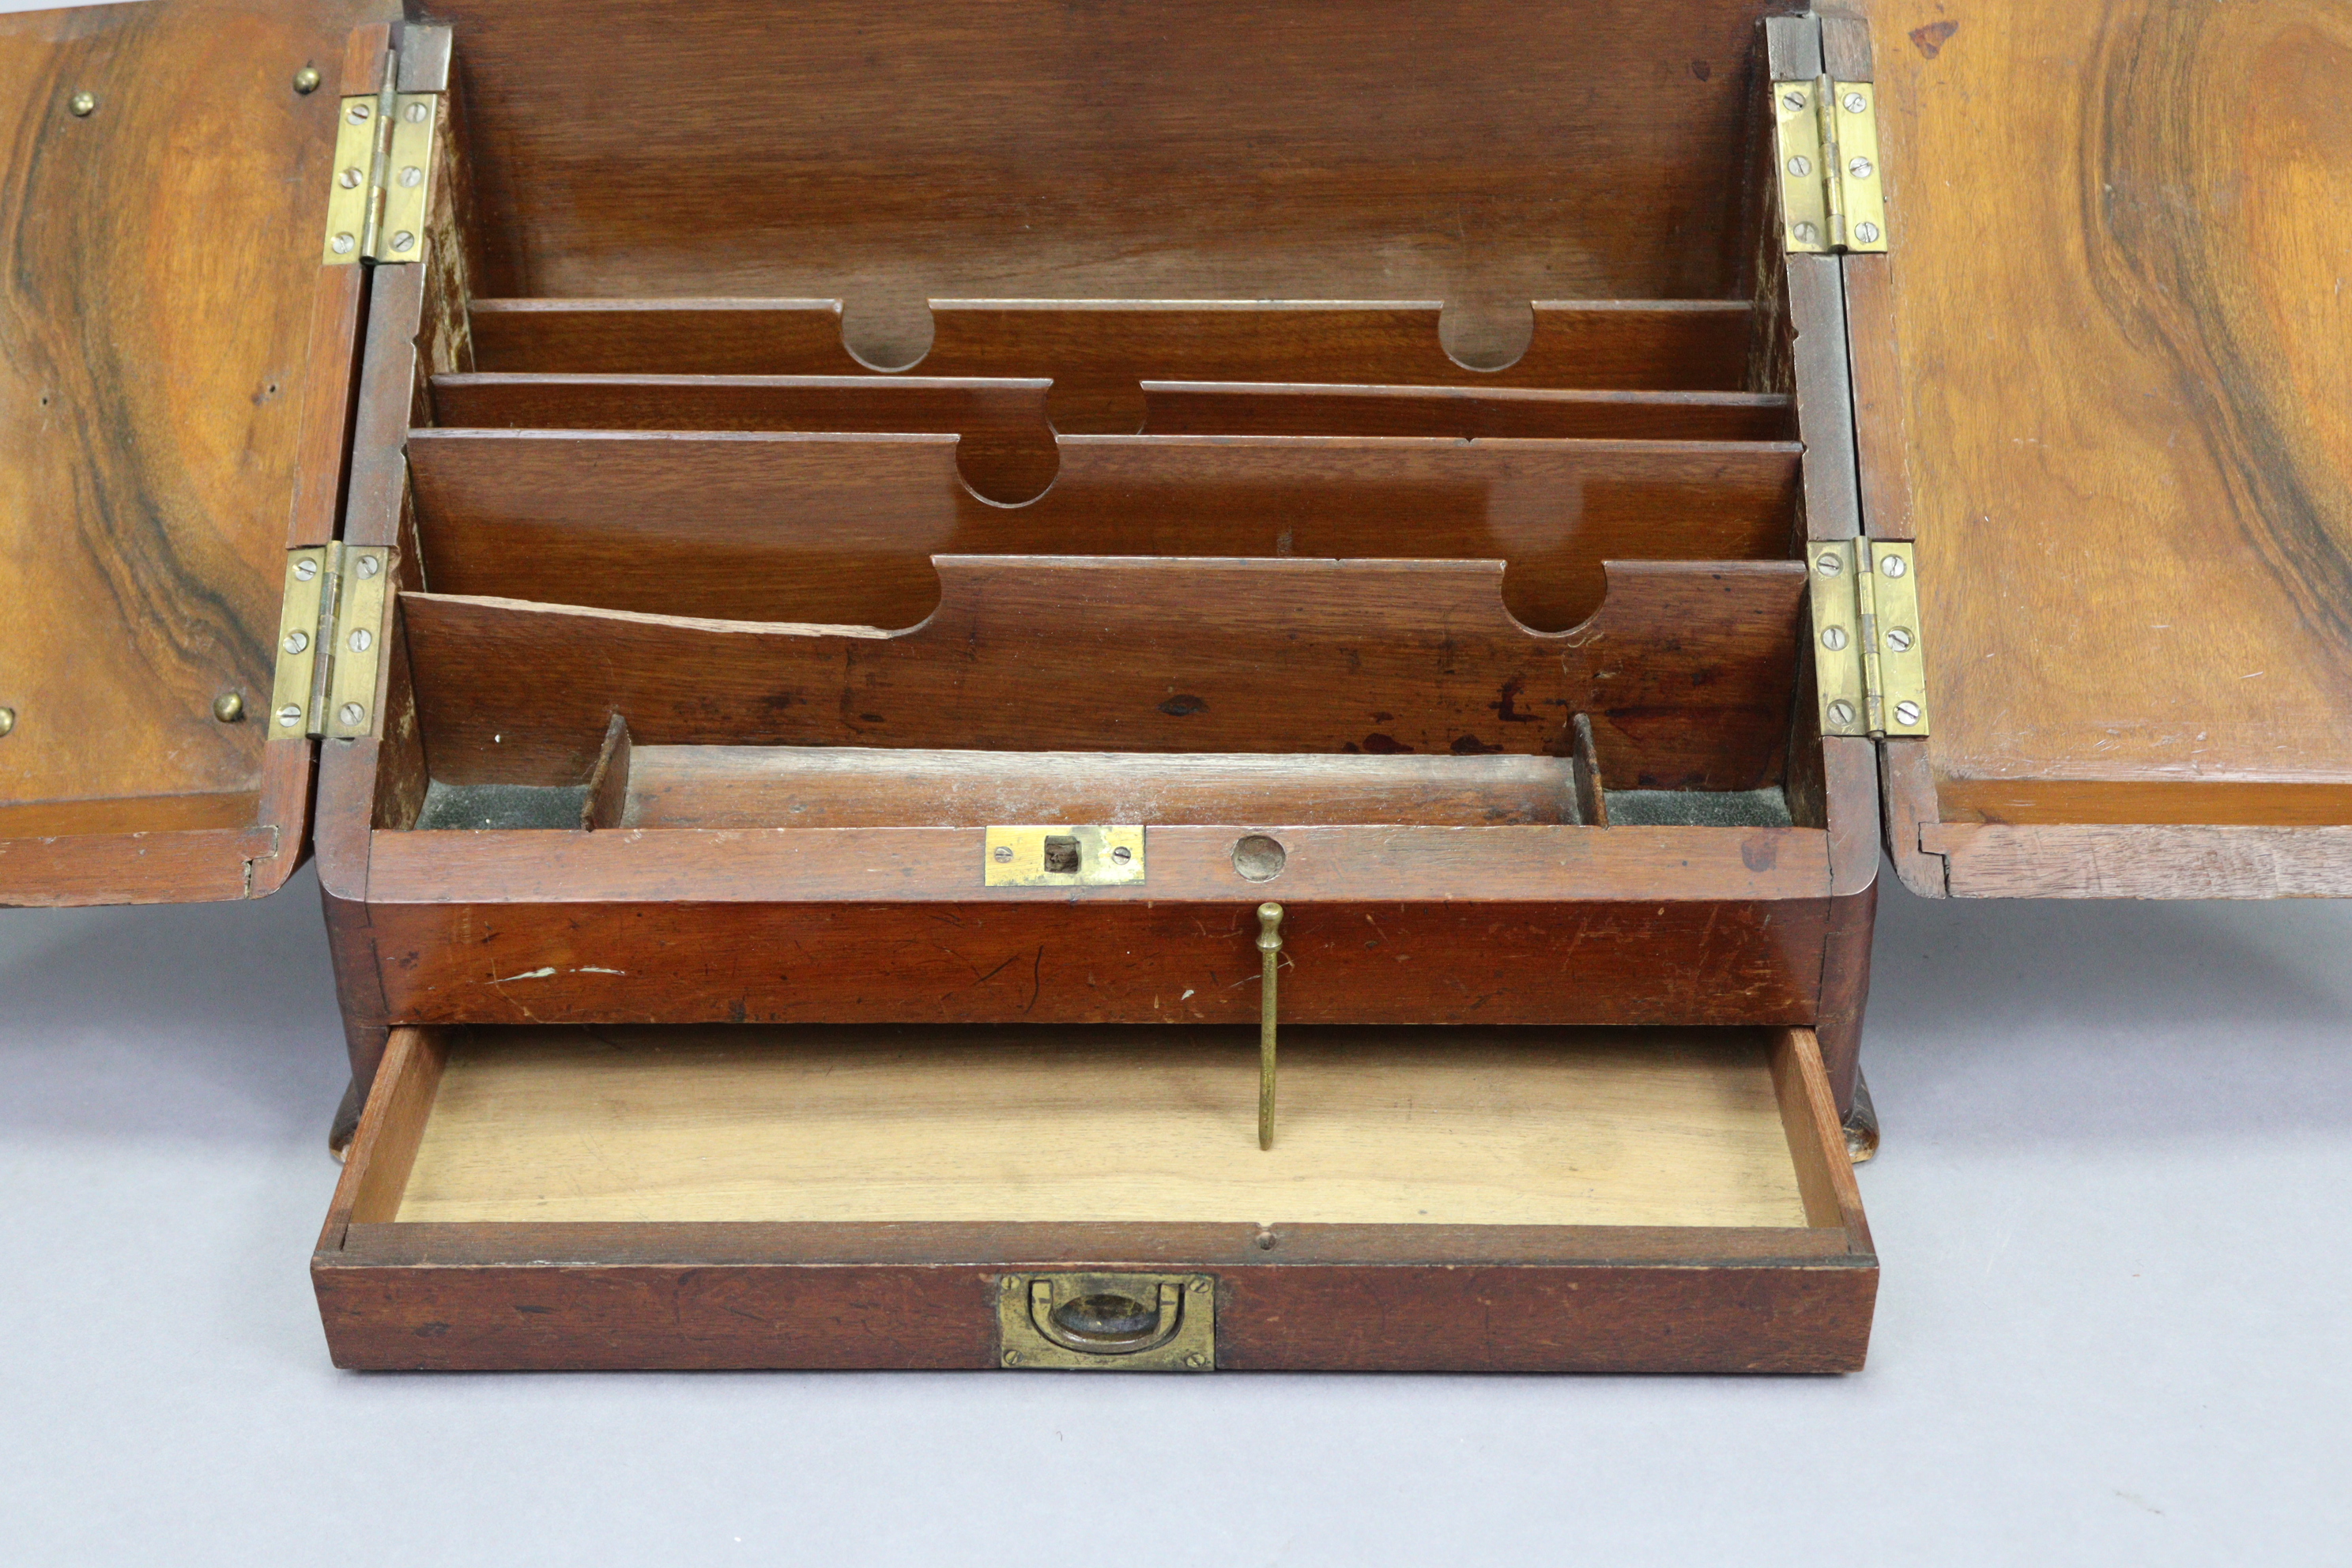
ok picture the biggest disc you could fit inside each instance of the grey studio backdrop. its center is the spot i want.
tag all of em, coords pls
(2112, 1326)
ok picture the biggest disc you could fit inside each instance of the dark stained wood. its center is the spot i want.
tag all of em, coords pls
(1148, 655)
(840, 529)
(613, 781)
(1811, 1316)
(1187, 861)
(816, 787)
(1850, 809)
(1097, 353)
(1463, 413)
(1006, 452)
(1824, 395)
(2116, 438)
(605, 954)
(156, 438)
(1177, 151)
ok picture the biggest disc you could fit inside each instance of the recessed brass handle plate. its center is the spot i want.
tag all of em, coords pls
(1114, 1322)
(1094, 856)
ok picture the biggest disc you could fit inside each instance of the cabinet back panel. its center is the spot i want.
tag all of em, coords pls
(1173, 149)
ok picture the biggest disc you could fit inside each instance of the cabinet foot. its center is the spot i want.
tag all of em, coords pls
(1862, 1124)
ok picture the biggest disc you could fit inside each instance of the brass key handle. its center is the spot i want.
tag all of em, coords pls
(1269, 947)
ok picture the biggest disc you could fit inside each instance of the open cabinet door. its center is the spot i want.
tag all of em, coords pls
(176, 376)
(2104, 378)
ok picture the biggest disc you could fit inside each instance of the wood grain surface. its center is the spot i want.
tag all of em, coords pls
(2119, 431)
(822, 786)
(1168, 151)
(771, 948)
(1790, 1297)
(1145, 1124)
(151, 426)
(1064, 653)
(1006, 451)
(840, 529)
(1463, 413)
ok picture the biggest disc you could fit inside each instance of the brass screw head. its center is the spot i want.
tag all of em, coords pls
(1906, 712)
(1830, 565)
(1841, 713)
(1868, 234)
(1855, 104)
(1196, 1360)
(1891, 566)
(229, 707)
(1833, 637)
(1899, 639)
(350, 713)
(7, 721)
(306, 80)
(1013, 1358)
(1003, 853)
(82, 105)
(289, 716)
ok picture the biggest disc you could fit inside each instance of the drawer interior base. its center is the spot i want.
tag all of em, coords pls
(1139, 1124)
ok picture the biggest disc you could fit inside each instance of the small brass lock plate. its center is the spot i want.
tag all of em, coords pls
(1089, 856)
(1108, 1322)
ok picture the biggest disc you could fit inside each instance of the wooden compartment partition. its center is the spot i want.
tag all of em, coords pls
(1425, 558)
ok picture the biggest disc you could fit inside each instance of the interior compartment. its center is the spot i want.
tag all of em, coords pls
(1011, 1125)
(1282, 442)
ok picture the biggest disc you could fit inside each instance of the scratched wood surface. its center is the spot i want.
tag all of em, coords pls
(1140, 654)
(840, 529)
(156, 326)
(2107, 383)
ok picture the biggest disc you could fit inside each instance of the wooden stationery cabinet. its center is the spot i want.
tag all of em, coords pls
(1156, 686)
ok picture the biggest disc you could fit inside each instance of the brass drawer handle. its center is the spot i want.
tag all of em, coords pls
(1107, 1322)
(1132, 1321)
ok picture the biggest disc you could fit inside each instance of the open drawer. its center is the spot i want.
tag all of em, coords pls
(1486, 1199)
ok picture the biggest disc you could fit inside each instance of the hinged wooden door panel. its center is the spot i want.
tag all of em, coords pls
(172, 370)
(2101, 379)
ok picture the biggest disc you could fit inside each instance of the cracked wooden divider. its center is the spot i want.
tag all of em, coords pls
(840, 529)
(1140, 654)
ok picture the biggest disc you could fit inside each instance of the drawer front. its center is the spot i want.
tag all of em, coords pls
(1697, 963)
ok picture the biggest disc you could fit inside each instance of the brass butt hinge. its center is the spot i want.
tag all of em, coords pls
(1868, 655)
(382, 185)
(330, 633)
(1826, 139)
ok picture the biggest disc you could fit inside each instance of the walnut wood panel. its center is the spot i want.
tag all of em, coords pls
(811, 787)
(1165, 151)
(2122, 430)
(647, 958)
(154, 427)
(1006, 452)
(1098, 352)
(1463, 413)
(1068, 653)
(840, 529)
